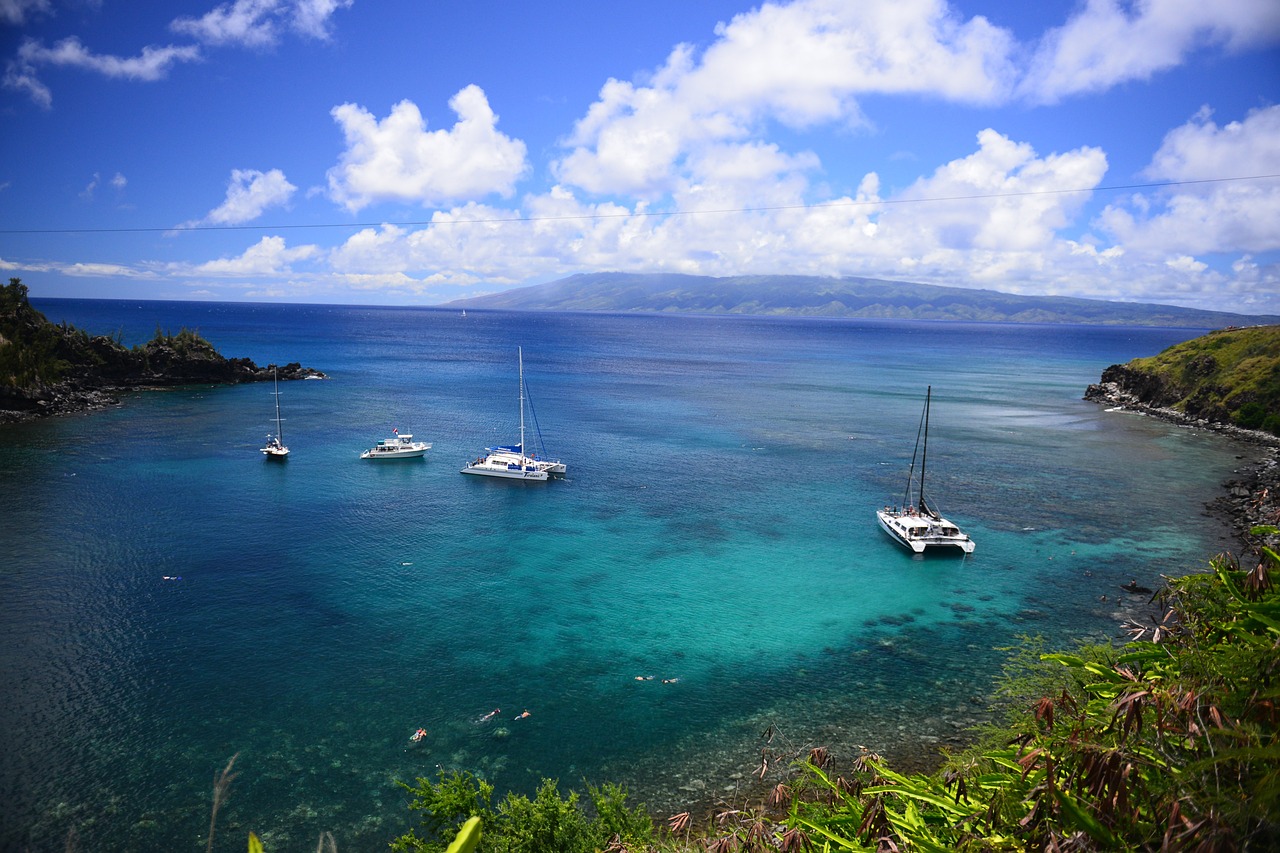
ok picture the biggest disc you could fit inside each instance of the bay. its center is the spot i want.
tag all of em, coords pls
(715, 532)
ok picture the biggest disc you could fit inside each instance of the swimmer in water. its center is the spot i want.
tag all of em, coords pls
(524, 714)
(418, 735)
(489, 716)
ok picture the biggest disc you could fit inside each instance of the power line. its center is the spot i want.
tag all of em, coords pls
(648, 213)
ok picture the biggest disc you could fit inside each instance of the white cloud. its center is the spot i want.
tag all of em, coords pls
(268, 257)
(257, 23)
(311, 17)
(15, 12)
(249, 193)
(980, 240)
(152, 64)
(1109, 42)
(1215, 216)
(398, 159)
(119, 181)
(1024, 208)
(799, 65)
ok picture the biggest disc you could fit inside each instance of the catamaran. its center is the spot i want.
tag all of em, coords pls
(917, 526)
(510, 461)
(275, 448)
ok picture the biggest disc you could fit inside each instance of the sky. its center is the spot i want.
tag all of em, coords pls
(411, 152)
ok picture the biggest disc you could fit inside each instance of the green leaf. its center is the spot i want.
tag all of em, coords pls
(468, 837)
(255, 846)
(1080, 817)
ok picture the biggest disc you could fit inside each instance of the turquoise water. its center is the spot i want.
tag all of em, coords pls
(716, 528)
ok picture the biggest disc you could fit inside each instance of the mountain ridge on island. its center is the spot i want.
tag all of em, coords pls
(50, 369)
(848, 297)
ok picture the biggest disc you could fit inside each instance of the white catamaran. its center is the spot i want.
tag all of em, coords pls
(511, 462)
(918, 525)
(275, 448)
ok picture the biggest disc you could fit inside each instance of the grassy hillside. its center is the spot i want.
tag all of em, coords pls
(1228, 376)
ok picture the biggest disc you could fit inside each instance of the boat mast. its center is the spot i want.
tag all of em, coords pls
(520, 353)
(924, 457)
(276, 375)
(911, 472)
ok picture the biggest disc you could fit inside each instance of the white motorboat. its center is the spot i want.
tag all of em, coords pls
(917, 525)
(274, 448)
(510, 461)
(397, 447)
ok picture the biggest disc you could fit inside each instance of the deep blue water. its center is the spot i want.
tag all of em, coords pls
(716, 527)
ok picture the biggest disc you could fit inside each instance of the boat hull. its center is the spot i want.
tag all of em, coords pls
(388, 455)
(918, 534)
(533, 476)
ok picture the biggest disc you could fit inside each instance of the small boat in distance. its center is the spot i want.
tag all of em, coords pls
(397, 447)
(510, 462)
(275, 448)
(917, 525)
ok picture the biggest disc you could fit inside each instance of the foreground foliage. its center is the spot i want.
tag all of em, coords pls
(547, 823)
(1169, 743)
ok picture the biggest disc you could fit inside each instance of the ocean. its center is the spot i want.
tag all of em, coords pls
(710, 567)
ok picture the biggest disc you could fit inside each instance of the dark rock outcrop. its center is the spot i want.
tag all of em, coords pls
(48, 369)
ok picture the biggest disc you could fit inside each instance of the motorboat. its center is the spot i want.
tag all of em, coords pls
(397, 447)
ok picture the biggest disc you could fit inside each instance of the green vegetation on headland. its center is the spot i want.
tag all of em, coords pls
(823, 296)
(52, 369)
(1231, 377)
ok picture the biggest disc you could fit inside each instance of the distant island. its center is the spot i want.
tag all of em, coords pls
(48, 369)
(816, 296)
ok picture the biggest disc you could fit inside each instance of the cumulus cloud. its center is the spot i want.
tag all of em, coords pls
(257, 23)
(398, 159)
(1003, 197)
(268, 257)
(799, 65)
(1109, 42)
(1004, 221)
(249, 193)
(1233, 216)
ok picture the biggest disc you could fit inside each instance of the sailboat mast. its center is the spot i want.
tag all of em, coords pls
(520, 353)
(924, 456)
(276, 375)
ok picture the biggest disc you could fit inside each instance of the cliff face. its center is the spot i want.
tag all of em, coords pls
(50, 369)
(1229, 378)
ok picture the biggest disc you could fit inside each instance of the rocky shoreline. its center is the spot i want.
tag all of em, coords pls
(83, 395)
(1251, 498)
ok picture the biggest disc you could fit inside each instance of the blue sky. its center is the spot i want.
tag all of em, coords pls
(361, 152)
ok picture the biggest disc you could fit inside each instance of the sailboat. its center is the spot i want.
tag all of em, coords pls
(511, 462)
(275, 448)
(917, 525)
